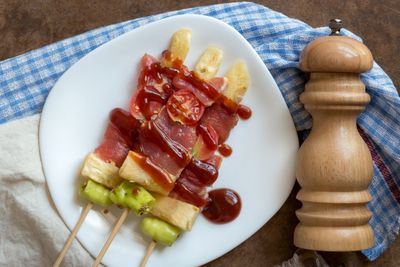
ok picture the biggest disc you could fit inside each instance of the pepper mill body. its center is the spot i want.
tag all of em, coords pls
(334, 167)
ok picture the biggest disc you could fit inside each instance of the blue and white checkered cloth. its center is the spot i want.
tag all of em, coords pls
(26, 80)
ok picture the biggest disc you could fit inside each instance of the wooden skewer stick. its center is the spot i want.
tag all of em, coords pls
(111, 237)
(71, 237)
(149, 251)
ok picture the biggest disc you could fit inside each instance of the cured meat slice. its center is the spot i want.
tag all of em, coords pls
(122, 127)
(157, 155)
(206, 92)
(207, 142)
(167, 143)
(191, 186)
(221, 119)
(120, 136)
(152, 91)
(190, 192)
(112, 151)
(112, 133)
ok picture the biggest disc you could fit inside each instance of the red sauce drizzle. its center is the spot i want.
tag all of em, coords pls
(224, 206)
(183, 193)
(149, 93)
(209, 135)
(167, 55)
(155, 72)
(148, 72)
(225, 150)
(244, 112)
(158, 174)
(203, 86)
(228, 104)
(179, 153)
(205, 172)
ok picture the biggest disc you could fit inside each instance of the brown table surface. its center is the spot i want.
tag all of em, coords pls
(29, 24)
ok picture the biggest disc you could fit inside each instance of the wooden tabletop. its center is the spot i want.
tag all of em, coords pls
(25, 25)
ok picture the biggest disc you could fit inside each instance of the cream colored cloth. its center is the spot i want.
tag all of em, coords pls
(31, 231)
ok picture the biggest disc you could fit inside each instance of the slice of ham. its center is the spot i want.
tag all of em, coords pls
(147, 60)
(143, 112)
(150, 90)
(221, 119)
(190, 192)
(183, 134)
(158, 156)
(123, 127)
(120, 136)
(178, 137)
(218, 83)
(192, 188)
(112, 151)
(112, 133)
(207, 142)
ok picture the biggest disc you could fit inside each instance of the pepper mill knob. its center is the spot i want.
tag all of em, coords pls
(334, 166)
(335, 25)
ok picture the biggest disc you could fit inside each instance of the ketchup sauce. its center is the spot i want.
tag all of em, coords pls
(225, 150)
(209, 135)
(244, 112)
(224, 206)
(158, 174)
(205, 172)
(154, 133)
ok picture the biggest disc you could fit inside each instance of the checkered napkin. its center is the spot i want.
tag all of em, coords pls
(26, 80)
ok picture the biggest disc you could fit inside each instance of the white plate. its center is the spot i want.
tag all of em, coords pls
(74, 118)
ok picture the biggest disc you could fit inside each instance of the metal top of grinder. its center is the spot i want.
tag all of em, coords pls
(335, 25)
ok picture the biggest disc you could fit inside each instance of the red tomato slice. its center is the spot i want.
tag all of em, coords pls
(184, 107)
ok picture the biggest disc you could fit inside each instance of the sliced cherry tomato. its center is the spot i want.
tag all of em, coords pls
(184, 107)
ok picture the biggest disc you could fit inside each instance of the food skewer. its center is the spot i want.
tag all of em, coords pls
(238, 81)
(130, 197)
(103, 175)
(238, 85)
(175, 43)
(72, 235)
(206, 68)
(161, 231)
(149, 251)
(113, 233)
(96, 194)
(234, 93)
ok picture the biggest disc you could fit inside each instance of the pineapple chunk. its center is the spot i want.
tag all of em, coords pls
(208, 64)
(176, 212)
(179, 46)
(100, 171)
(238, 82)
(133, 171)
(180, 43)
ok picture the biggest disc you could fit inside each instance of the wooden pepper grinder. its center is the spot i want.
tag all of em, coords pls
(334, 166)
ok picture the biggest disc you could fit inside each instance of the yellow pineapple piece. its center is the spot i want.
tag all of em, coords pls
(100, 171)
(238, 82)
(174, 211)
(208, 64)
